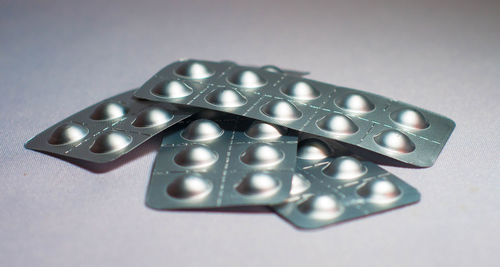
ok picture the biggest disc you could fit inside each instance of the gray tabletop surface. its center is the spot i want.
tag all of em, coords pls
(57, 58)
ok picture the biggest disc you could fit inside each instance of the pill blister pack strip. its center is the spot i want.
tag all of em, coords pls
(109, 129)
(385, 126)
(224, 162)
(329, 188)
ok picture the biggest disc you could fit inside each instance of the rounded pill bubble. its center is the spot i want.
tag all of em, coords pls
(410, 118)
(395, 141)
(301, 90)
(247, 79)
(108, 111)
(337, 124)
(194, 70)
(202, 130)
(321, 207)
(258, 184)
(190, 186)
(273, 69)
(261, 130)
(110, 142)
(262, 155)
(355, 103)
(313, 149)
(196, 156)
(379, 191)
(299, 184)
(226, 97)
(171, 89)
(280, 109)
(345, 168)
(68, 133)
(152, 117)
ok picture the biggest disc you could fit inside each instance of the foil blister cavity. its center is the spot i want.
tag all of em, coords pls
(68, 133)
(196, 156)
(258, 184)
(110, 142)
(190, 186)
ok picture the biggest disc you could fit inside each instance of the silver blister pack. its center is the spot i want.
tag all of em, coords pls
(329, 188)
(109, 129)
(379, 124)
(222, 162)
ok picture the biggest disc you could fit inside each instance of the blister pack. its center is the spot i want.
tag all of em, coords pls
(329, 188)
(379, 124)
(109, 129)
(222, 162)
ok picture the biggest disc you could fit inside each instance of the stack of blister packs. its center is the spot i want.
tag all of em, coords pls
(246, 136)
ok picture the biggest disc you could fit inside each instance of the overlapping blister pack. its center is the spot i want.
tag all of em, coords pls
(109, 129)
(385, 126)
(234, 142)
(329, 187)
(211, 163)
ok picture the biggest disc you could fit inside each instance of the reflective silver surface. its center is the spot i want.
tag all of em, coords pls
(109, 129)
(320, 207)
(345, 168)
(355, 103)
(108, 111)
(171, 89)
(263, 131)
(226, 97)
(410, 118)
(196, 156)
(110, 142)
(247, 79)
(190, 186)
(337, 124)
(301, 90)
(228, 151)
(348, 115)
(395, 141)
(333, 189)
(299, 184)
(380, 191)
(152, 117)
(68, 133)
(258, 184)
(313, 149)
(202, 130)
(281, 110)
(262, 154)
(194, 70)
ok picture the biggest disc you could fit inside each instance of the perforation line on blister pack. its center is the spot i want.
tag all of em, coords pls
(336, 191)
(316, 109)
(208, 85)
(229, 169)
(78, 144)
(367, 133)
(338, 112)
(226, 166)
(114, 126)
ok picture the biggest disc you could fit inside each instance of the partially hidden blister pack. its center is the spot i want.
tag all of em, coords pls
(222, 162)
(379, 124)
(328, 188)
(109, 129)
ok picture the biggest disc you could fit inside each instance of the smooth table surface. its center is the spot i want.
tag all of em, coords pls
(57, 58)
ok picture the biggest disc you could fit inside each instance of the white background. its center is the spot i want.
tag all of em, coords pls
(57, 58)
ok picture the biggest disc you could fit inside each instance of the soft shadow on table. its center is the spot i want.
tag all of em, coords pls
(149, 146)
(352, 220)
(247, 210)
